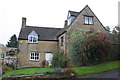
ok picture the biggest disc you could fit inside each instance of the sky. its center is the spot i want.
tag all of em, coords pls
(50, 13)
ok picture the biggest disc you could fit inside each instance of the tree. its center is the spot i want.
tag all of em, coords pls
(115, 37)
(12, 42)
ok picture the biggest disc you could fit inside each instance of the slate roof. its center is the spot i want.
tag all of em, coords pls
(73, 13)
(44, 33)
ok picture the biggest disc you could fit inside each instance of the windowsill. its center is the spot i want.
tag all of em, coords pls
(32, 42)
(34, 60)
(88, 24)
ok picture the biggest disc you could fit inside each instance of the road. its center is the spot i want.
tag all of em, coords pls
(108, 74)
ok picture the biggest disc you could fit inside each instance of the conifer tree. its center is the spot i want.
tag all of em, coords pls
(12, 42)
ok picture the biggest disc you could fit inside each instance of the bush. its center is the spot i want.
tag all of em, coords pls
(59, 59)
(88, 48)
(9, 65)
(6, 68)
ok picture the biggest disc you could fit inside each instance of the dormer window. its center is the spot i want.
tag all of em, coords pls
(33, 37)
(88, 20)
(71, 16)
(71, 19)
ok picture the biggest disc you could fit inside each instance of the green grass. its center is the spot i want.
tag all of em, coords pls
(27, 71)
(80, 71)
(88, 70)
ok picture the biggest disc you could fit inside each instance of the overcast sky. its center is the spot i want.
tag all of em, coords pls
(50, 13)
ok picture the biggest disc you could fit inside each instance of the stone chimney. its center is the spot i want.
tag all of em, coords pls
(23, 22)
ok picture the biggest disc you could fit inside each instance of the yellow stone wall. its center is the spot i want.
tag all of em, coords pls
(25, 48)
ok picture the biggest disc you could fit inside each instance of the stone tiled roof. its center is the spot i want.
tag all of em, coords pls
(44, 33)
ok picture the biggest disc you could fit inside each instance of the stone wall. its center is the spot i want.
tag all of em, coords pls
(25, 48)
(62, 47)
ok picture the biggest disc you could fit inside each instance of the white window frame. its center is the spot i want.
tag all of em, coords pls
(33, 37)
(33, 56)
(88, 20)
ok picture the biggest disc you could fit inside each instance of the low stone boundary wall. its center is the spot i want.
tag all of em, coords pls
(56, 76)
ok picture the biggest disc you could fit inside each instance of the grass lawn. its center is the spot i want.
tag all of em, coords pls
(27, 71)
(80, 71)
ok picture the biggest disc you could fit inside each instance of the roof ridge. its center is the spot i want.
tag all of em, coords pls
(73, 11)
(43, 27)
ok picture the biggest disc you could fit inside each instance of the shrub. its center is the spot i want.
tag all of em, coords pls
(59, 59)
(6, 68)
(88, 48)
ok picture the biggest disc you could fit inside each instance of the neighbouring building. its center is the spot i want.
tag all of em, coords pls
(7, 56)
(36, 44)
(11, 56)
(3, 50)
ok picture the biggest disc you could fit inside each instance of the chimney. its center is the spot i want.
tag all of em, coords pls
(65, 24)
(23, 22)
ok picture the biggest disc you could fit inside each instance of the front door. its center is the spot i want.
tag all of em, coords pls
(48, 57)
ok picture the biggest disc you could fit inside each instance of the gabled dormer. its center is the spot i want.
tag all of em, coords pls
(71, 17)
(33, 37)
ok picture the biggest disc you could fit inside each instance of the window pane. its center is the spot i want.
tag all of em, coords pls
(32, 54)
(34, 39)
(86, 20)
(37, 58)
(32, 57)
(30, 39)
(35, 54)
(90, 20)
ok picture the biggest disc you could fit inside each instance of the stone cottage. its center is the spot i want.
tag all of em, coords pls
(36, 44)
